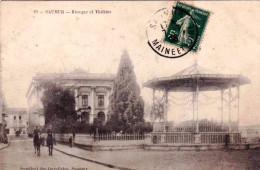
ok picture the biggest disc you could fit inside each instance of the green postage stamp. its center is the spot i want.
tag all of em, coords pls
(186, 26)
(177, 30)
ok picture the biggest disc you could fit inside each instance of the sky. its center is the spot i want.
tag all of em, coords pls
(46, 43)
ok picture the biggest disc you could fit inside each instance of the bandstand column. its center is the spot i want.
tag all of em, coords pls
(193, 109)
(193, 101)
(222, 109)
(197, 136)
(165, 116)
(153, 95)
(229, 108)
(197, 111)
(153, 106)
(197, 106)
(238, 98)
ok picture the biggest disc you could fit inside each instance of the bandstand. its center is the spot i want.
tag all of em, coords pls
(196, 80)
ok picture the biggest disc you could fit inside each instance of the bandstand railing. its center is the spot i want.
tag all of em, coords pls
(158, 137)
(190, 126)
(219, 137)
(189, 137)
(173, 137)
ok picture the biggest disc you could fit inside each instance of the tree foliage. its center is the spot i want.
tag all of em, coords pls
(126, 106)
(58, 103)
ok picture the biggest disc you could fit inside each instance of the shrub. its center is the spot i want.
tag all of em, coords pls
(104, 130)
(140, 128)
(82, 127)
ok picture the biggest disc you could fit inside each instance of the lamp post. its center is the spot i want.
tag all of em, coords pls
(97, 123)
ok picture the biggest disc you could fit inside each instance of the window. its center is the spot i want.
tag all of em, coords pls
(20, 117)
(14, 117)
(84, 100)
(100, 100)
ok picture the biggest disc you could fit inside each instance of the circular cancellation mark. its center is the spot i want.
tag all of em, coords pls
(172, 33)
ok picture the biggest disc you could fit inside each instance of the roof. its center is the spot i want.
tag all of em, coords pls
(194, 69)
(77, 74)
(188, 79)
(16, 110)
(74, 76)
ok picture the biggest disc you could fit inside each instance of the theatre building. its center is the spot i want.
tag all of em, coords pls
(91, 93)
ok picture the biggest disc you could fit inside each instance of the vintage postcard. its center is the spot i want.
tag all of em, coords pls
(91, 85)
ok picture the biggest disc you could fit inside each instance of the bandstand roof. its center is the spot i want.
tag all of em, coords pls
(187, 80)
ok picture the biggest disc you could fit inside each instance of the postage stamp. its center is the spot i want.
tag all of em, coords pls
(174, 32)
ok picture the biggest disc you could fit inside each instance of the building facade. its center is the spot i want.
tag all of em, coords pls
(3, 137)
(16, 121)
(91, 92)
(2, 121)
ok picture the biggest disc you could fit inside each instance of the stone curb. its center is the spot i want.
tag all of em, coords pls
(93, 161)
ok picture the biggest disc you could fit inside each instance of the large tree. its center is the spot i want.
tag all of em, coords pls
(126, 105)
(58, 102)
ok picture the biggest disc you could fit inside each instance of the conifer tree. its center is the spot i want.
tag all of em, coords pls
(126, 106)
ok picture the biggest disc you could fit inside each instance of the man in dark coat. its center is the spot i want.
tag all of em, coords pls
(70, 141)
(227, 140)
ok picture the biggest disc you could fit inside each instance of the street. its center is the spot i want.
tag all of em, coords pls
(172, 160)
(19, 155)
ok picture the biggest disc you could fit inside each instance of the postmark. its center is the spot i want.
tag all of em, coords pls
(174, 32)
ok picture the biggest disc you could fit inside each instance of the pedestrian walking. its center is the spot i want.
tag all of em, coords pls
(50, 140)
(70, 141)
(36, 140)
(227, 140)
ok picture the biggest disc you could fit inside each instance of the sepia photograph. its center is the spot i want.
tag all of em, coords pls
(131, 85)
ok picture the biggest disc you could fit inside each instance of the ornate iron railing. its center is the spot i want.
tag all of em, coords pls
(189, 137)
